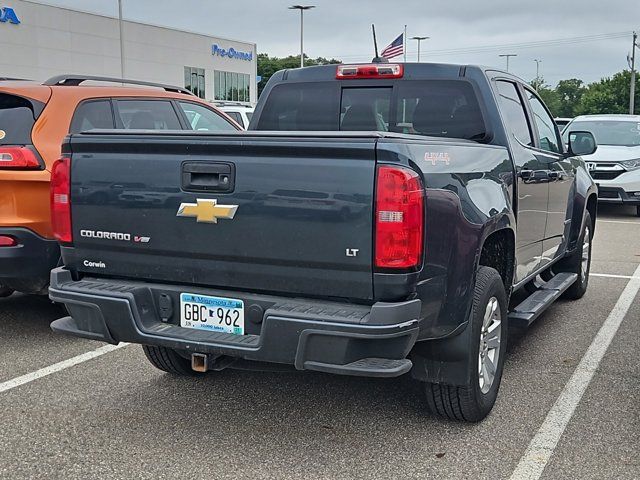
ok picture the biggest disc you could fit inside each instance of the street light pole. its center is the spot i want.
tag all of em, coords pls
(302, 8)
(632, 87)
(121, 38)
(508, 55)
(538, 62)
(419, 39)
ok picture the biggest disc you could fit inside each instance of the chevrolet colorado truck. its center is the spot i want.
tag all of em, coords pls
(377, 219)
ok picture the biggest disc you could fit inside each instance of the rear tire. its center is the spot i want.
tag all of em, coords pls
(638, 211)
(487, 348)
(168, 360)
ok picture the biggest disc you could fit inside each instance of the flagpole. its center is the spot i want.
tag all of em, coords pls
(404, 44)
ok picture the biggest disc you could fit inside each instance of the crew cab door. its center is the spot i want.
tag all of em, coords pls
(533, 181)
(560, 174)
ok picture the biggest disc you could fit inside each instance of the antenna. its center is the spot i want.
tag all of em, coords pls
(375, 42)
(377, 58)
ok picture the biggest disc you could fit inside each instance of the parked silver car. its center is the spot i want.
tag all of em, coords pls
(615, 166)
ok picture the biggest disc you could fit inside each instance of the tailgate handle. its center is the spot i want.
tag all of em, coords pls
(208, 177)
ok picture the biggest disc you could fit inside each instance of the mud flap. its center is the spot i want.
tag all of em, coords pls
(444, 360)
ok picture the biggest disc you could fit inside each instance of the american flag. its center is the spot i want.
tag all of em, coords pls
(395, 48)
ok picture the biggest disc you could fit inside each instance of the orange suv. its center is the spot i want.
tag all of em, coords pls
(34, 119)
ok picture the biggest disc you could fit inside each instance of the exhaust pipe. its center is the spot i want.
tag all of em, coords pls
(199, 362)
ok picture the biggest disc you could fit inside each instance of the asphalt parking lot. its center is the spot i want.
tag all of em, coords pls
(115, 416)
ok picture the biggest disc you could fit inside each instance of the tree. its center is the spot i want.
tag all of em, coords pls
(267, 65)
(570, 94)
(609, 95)
(571, 97)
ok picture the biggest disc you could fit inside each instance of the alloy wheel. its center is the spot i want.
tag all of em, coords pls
(490, 336)
(586, 251)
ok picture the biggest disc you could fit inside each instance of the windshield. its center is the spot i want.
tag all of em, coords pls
(608, 132)
(441, 108)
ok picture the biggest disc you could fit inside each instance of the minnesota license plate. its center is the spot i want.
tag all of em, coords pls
(214, 314)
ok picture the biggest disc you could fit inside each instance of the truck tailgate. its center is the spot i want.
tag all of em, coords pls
(294, 214)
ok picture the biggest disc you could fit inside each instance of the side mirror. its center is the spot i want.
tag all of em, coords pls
(581, 143)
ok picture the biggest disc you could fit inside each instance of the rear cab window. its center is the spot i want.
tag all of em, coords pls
(443, 108)
(365, 109)
(440, 108)
(301, 107)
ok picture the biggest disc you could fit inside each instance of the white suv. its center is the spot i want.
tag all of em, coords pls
(615, 166)
(239, 112)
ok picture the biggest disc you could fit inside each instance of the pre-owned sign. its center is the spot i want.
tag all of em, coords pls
(231, 53)
(8, 15)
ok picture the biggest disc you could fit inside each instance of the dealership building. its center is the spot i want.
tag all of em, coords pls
(39, 41)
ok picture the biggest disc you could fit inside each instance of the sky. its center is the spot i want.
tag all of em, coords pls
(586, 39)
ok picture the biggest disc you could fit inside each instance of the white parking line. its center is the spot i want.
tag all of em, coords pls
(543, 444)
(610, 275)
(57, 367)
(617, 221)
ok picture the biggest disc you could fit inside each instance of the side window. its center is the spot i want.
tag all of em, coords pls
(148, 115)
(513, 111)
(546, 126)
(202, 119)
(92, 114)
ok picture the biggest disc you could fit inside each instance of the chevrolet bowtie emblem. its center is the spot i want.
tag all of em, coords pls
(207, 211)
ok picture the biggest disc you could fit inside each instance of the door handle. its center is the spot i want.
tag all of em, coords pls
(208, 177)
(534, 176)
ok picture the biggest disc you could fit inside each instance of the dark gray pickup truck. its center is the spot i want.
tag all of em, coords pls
(376, 220)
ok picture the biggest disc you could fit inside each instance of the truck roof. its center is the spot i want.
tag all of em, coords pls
(411, 69)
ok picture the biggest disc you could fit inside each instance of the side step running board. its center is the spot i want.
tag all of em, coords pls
(367, 367)
(529, 310)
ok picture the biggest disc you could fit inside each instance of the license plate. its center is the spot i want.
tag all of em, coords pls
(214, 314)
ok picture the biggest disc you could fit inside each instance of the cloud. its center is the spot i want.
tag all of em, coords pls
(342, 29)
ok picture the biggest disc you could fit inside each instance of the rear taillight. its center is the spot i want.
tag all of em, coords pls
(61, 200)
(18, 157)
(372, 70)
(399, 221)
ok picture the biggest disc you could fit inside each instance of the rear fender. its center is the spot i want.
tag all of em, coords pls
(469, 195)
